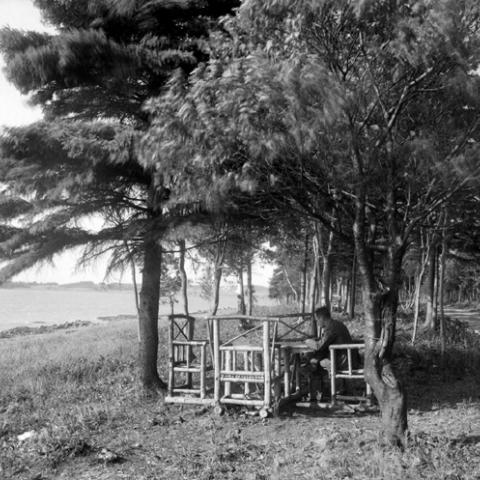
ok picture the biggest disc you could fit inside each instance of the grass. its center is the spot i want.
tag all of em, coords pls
(77, 391)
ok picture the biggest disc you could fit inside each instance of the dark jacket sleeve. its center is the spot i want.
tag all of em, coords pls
(329, 336)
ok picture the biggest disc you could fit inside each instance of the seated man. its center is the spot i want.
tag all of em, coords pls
(333, 333)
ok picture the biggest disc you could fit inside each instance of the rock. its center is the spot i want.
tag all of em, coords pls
(107, 456)
(26, 435)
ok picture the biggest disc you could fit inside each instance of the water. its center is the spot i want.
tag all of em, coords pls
(32, 307)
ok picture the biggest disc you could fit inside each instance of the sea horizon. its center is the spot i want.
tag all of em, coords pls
(35, 304)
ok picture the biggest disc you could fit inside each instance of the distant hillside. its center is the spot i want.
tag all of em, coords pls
(68, 286)
(194, 289)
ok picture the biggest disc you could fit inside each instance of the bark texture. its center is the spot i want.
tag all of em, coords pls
(148, 315)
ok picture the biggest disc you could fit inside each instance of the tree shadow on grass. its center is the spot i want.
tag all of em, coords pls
(339, 411)
(436, 392)
(464, 440)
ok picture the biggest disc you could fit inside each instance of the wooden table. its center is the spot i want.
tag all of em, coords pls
(290, 352)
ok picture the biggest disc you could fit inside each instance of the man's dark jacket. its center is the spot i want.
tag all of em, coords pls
(336, 333)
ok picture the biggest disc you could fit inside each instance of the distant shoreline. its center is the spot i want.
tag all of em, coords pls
(67, 286)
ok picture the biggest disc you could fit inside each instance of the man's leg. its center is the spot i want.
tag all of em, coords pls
(317, 376)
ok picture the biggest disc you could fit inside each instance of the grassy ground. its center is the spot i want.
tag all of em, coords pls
(76, 390)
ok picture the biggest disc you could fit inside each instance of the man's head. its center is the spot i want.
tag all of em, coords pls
(322, 314)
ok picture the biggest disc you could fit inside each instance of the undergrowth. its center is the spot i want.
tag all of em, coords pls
(75, 393)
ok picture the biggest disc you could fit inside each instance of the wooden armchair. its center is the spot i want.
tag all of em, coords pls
(349, 373)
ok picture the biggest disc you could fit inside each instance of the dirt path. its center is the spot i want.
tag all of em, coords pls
(468, 315)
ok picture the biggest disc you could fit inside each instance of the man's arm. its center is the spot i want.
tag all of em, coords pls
(328, 338)
(322, 345)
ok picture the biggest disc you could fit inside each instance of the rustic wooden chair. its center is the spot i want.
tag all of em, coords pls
(187, 357)
(349, 373)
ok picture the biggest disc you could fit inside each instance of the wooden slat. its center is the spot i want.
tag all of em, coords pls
(171, 359)
(216, 360)
(203, 370)
(187, 369)
(332, 375)
(266, 362)
(193, 391)
(241, 373)
(242, 379)
(241, 348)
(189, 400)
(193, 343)
(268, 318)
(228, 368)
(286, 375)
(345, 346)
(246, 402)
(246, 386)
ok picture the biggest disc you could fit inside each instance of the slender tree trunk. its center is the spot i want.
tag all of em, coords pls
(183, 275)
(436, 289)
(430, 293)
(315, 287)
(346, 290)
(289, 282)
(313, 301)
(148, 315)
(327, 272)
(242, 309)
(303, 279)
(216, 290)
(184, 288)
(217, 275)
(353, 288)
(418, 287)
(133, 273)
(441, 290)
(249, 287)
(326, 253)
(134, 282)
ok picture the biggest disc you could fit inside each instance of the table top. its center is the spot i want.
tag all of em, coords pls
(295, 345)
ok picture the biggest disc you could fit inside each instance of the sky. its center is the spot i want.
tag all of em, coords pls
(14, 111)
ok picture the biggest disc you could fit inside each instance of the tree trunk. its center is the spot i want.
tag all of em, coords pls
(327, 268)
(313, 301)
(184, 288)
(217, 275)
(436, 289)
(327, 277)
(183, 275)
(131, 260)
(380, 310)
(315, 286)
(303, 279)
(242, 309)
(379, 372)
(441, 291)
(289, 282)
(418, 286)
(346, 290)
(148, 315)
(249, 287)
(430, 294)
(216, 289)
(353, 288)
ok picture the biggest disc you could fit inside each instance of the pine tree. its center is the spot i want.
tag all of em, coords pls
(92, 79)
